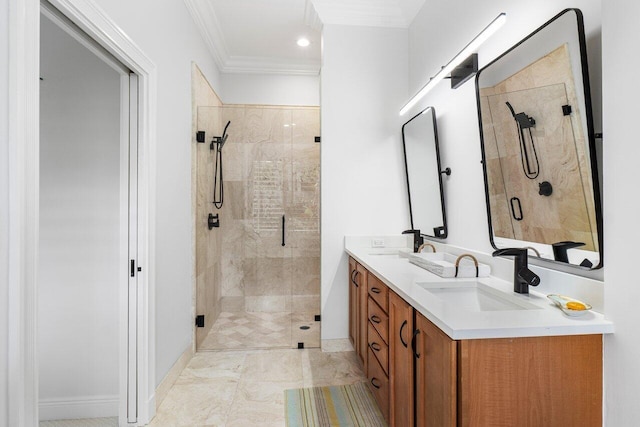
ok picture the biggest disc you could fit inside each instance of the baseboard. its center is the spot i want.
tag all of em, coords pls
(169, 380)
(331, 346)
(78, 407)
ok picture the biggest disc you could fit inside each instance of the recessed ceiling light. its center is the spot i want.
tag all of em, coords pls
(302, 42)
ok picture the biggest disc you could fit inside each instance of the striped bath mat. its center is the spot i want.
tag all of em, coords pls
(347, 405)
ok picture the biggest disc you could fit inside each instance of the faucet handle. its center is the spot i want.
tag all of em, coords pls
(529, 276)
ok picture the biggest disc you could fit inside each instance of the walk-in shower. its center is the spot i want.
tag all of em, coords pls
(261, 266)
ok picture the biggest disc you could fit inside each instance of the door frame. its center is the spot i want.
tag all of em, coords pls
(24, 105)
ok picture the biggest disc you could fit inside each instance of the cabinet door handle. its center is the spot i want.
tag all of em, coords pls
(375, 290)
(375, 346)
(355, 278)
(373, 382)
(413, 343)
(401, 328)
(376, 319)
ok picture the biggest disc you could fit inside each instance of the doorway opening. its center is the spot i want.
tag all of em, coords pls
(88, 206)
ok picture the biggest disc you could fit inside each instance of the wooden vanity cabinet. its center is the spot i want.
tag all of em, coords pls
(435, 376)
(353, 303)
(358, 309)
(401, 374)
(536, 381)
(421, 377)
(377, 369)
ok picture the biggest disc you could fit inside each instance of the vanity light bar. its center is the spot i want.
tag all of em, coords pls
(457, 60)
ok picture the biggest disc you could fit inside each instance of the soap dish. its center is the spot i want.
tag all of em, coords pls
(561, 301)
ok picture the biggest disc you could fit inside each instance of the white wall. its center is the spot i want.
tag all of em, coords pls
(269, 89)
(4, 208)
(439, 31)
(363, 86)
(79, 250)
(170, 39)
(620, 38)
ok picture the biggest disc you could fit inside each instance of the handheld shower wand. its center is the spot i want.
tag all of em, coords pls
(218, 182)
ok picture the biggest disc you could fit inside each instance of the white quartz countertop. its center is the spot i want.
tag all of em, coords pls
(545, 320)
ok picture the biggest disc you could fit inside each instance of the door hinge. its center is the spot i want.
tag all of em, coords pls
(200, 136)
(200, 321)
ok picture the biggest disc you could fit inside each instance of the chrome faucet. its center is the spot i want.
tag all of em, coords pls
(522, 276)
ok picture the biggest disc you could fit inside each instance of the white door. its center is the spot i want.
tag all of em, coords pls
(89, 267)
(134, 263)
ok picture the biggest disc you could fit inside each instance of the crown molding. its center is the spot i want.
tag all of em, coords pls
(255, 65)
(311, 18)
(202, 13)
(208, 25)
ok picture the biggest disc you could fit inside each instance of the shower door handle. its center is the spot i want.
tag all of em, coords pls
(283, 230)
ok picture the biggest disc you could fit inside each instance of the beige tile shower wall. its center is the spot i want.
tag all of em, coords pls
(271, 169)
(207, 293)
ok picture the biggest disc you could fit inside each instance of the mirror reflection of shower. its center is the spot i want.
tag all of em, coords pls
(218, 183)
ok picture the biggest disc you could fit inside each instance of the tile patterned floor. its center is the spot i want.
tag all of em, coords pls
(246, 388)
(258, 330)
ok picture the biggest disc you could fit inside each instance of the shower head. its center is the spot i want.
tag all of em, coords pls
(224, 132)
(220, 140)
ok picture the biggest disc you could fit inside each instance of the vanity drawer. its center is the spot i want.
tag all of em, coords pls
(379, 348)
(378, 384)
(378, 319)
(379, 292)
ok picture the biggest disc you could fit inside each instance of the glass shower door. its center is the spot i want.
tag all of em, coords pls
(266, 253)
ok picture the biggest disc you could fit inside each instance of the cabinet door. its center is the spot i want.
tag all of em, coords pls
(436, 360)
(400, 362)
(531, 382)
(361, 340)
(353, 303)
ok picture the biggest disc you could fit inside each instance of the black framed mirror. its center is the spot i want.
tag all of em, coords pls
(424, 177)
(538, 146)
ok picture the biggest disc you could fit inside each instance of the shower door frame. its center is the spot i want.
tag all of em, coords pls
(24, 103)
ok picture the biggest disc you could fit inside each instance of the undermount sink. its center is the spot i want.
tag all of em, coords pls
(475, 296)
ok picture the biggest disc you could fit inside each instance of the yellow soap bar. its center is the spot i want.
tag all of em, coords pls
(575, 305)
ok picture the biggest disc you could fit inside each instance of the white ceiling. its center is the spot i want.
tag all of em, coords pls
(259, 36)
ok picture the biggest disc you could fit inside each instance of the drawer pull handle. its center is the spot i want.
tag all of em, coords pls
(375, 290)
(373, 382)
(413, 343)
(401, 328)
(375, 346)
(376, 319)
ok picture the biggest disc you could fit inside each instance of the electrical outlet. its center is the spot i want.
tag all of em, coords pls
(377, 243)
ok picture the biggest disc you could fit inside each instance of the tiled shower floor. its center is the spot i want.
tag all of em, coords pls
(257, 330)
